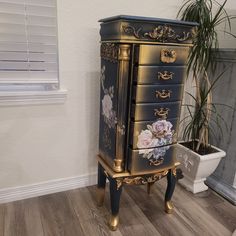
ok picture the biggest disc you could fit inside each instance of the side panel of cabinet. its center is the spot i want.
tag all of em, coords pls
(108, 110)
(115, 66)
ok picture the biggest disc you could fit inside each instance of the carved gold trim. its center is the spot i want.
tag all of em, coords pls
(168, 56)
(124, 52)
(109, 51)
(146, 42)
(166, 75)
(174, 171)
(154, 162)
(141, 179)
(106, 165)
(163, 94)
(161, 33)
(161, 112)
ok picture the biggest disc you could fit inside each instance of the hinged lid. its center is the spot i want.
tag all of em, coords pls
(125, 28)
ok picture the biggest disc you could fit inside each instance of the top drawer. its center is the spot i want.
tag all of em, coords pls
(161, 55)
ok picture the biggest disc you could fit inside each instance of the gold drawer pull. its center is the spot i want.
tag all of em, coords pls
(163, 94)
(168, 56)
(165, 75)
(154, 162)
(161, 112)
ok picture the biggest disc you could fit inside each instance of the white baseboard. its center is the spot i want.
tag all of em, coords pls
(48, 187)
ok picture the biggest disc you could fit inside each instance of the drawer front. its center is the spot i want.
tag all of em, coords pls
(159, 74)
(149, 134)
(153, 111)
(161, 55)
(151, 160)
(157, 93)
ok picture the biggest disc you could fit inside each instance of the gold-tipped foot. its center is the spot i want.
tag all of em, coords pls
(169, 207)
(100, 196)
(113, 223)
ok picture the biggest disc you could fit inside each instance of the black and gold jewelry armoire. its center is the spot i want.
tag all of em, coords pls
(143, 63)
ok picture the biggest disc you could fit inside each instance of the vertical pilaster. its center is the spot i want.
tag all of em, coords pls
(123, 79)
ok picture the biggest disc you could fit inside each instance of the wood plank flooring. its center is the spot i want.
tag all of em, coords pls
(74, 213)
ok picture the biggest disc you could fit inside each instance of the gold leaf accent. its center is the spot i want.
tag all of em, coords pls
(109, 51)
(141, 179)
(161, 33)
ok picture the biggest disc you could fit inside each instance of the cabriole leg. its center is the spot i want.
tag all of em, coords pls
(115, 194)
(101, 185)
(171, 180)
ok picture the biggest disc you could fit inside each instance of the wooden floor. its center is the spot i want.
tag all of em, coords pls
(74, 213)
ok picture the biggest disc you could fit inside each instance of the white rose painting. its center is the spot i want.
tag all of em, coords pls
(108, 113)
(153, 141)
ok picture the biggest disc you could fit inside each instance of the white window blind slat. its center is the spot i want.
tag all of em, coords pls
(12, 18)
(28, 41)
(25, 66)
(7, 28)
(49, 3)
(22, 75)
(33, 21)
(23, 56)
(32, 47)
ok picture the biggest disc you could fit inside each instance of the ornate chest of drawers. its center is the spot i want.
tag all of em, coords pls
(142, 74)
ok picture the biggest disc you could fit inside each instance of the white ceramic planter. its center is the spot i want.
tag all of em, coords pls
(196, 168)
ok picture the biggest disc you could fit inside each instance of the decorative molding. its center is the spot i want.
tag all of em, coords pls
(224, 189)
(109, 51)
(48, 187)
(161, 33)
(226, 55)
(141, 179)
(14, 98)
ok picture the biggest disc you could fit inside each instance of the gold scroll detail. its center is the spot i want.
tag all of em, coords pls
(165, 75)
(107, 138)
(168, 56)
(163, 94)
(161, 112)
(140, 179)
(109, 51)
(161, 33)
(154, 162)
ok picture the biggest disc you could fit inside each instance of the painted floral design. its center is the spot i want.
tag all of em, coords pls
(108, 113)
(159, 134)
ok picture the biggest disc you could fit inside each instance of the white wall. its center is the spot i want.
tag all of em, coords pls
(45, 142)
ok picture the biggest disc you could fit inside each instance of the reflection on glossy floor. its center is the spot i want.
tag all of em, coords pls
(74, 213)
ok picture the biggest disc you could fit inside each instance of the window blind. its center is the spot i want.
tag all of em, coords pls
(28, 41)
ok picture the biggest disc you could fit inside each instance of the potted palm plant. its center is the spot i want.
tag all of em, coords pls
(197, 157)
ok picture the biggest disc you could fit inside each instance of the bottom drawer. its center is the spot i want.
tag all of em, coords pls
(144, 161)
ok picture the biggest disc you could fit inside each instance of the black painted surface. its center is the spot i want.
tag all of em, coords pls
(152, 93)
(115, 194)
(138, 164)
(107, 135)
(148, 19)
(171, 181)
(146, 111)
(101, 177)
(149, 74)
